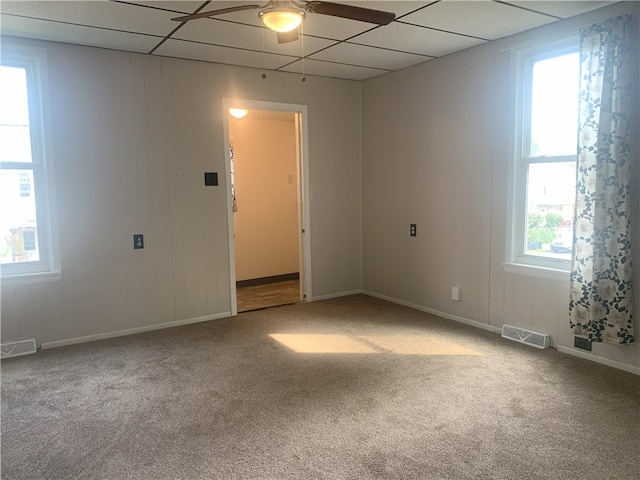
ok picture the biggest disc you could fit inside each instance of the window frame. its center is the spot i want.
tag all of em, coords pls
(522, 61)
(47, 268)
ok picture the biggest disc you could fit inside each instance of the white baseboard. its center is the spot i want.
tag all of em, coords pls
(149, 328)
(336, 295)
(132, 331)
(456, 318)
(600, 360)
(484, 326)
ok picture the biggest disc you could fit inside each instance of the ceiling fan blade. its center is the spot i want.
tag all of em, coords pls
(213, 13)
(286, 37)
(353, 13)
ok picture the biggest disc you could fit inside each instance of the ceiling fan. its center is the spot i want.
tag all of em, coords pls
(284, 16)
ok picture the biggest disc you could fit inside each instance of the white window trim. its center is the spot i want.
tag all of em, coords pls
(48, 267)
(517, 261)
(536, 271)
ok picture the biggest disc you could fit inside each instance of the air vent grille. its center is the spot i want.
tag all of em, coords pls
(521, 335)
(15, 349)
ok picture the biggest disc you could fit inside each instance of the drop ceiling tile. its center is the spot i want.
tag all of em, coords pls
(418, 40)
(400, 7)
(117, 16)
(217, 54)
(229, 34)
(175, 6)
(484, 19)
(336, 70)
(369, 56)
(80, 35)
(247, 17)
(341, 28)
(333, 27)
(563, 9)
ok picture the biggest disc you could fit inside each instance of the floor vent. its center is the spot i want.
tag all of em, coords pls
(517, 334)
(15, 349)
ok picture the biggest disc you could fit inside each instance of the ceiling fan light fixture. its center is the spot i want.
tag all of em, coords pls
(282, 19)
(238, 112)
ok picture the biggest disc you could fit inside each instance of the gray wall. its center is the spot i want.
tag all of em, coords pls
(436, 153)
(132, 137)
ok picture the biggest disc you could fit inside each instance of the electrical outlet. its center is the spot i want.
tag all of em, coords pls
(582, 343)
(138, 241)
(456, 294)
(412, 230)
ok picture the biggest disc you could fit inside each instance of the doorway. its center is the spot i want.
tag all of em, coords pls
(268, 214)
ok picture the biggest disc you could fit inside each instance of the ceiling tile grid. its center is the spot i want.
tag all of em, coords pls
(331, 69)
(486, 20)
(76, 34)
(220, 54)
(100, 15)
(560, 9)
(417, 40)
(369, 56)
(333, 46)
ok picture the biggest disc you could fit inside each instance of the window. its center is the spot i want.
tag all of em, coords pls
(26, 237)
(546, 143)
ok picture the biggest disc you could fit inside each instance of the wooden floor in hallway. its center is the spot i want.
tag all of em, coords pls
(268, 295)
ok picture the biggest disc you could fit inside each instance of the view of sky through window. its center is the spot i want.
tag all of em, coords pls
(554, 106)
(18, 225)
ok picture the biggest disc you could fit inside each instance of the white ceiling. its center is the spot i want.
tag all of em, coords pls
(328, 46)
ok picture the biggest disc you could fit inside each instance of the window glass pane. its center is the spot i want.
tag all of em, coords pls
(554, 106)
(550, 209)
(15, 141)
(18, 228)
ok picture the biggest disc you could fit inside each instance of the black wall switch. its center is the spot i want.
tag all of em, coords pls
(210, 179)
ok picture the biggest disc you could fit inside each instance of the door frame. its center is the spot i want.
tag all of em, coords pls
(302, 167)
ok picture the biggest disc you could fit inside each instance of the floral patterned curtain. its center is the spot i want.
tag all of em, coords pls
(601, 297)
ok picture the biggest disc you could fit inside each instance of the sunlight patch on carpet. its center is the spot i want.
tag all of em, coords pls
(419, 346)
(316, 343)
(400, 345)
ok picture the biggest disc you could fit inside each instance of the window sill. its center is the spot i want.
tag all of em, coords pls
(536, 271)
(30, 279)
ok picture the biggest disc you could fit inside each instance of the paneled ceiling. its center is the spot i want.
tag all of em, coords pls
(327, 46)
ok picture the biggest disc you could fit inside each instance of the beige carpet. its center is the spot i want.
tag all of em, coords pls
(351, 388)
